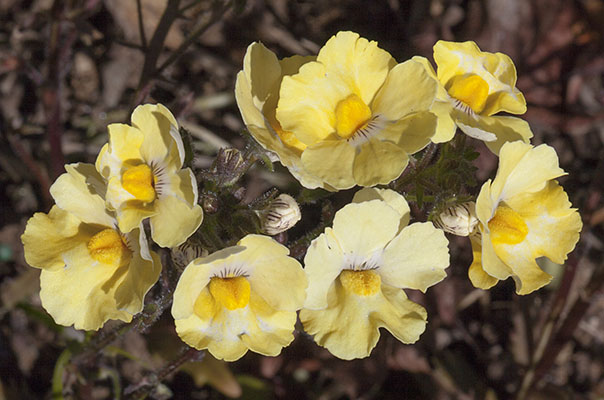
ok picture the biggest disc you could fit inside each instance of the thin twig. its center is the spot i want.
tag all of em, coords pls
(141, 26)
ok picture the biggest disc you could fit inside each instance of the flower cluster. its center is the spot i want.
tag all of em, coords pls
(350, 116)
(91, 246)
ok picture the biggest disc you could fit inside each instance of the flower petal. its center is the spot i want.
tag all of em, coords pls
(416, 258)
(392, 198)
(408, 89)
(48, 236)
(378, 162)
(124, 144)
(411, 133)
(308, 100)
(162, 140)
(83, 292)
(478, 277)
(553, 226)
(322, 264)
(492, 264)
(174, 222)
(80, 192)
(142, 273)
(494, 131)
(365, 228)
(332, 161)
(360, 61)
(515, 159)
(271, 267)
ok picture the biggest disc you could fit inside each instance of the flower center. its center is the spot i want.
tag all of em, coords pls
(232, 293)
(361, 283)
(507, 227)
(352, 114)
(139, 182)
(471, 90)
(108, 247)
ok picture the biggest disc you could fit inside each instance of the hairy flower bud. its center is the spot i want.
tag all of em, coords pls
(459, 219)
(280, 215)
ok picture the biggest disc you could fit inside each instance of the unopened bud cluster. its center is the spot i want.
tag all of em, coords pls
(459, 219)
(281, 214)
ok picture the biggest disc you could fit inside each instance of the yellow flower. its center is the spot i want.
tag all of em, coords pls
(91, 271)
(257, 94)
(524, 214)
(143, 166)
(475, 85)
(357, 270)
(239, 298)
(350, 117)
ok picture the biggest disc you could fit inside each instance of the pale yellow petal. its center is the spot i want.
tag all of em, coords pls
(143, 271)
(496, 69)
(416, 258)
(553, 226)
(271, 268)
(174, 222)
(262, 72)
(364, 228)
(83, 292)
(80, 192)
(495, 131)
(411, 133)
(392, 198)
(331, 161)
(378, 162)
(308, 100)
(478, 277)
(323, 263)
(48, 236)
(492, 264)
(349, 326)
(360, 62)
(181, 185)
(196, 277)
(445, 124)
(162, 142)
(408, 89)
(441, 92)
(525, 271)
(515, 159)
(485, 204)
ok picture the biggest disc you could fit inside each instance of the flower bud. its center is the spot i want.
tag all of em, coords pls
(459, 219)
(281, 214)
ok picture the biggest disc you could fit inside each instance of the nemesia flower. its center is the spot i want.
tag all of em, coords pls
(350, 117)
(143, 166)
(524, 214)
(91, 271)
(239, 298)
(474, 86)
(357, 270)
(257, 94)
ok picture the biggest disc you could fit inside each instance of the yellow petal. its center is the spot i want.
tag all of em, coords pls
(196, 277)
(349, 326)
(494, 131)
(81, 192)
(416, 258)
(272, 267)
(441, 92)
(445, 124)
(162, 141)
(323, 263)
(363, 64)
(331, 161)
(83, 292)
(364, 228)
(308, 100)
(486, 203)
(478, 277)
(492, 264)
(174, 222)
(48, 236)
(412, 133)
(553, 226)
(408, 89)
(378, 162)
(392, 198)
(262, 72)
(143, 271)
(181, 185)
(526, 273)
(515, 159)
(496, 69)
(124, 144)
